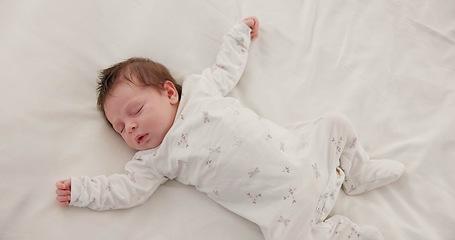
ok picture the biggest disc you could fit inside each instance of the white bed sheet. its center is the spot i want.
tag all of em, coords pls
(388, 65)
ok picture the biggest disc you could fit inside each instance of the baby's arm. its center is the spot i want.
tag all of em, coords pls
(232, 57)
(117, 191)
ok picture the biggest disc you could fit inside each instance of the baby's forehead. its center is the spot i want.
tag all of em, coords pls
(127, 77)
(124, 89)
(122, 82)
(118, 88)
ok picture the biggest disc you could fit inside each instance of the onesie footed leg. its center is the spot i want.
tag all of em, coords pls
(345, 150)
(362, 174)
(366, 175)
(340, 227)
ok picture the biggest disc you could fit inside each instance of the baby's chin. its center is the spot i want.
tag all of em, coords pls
(144, 147)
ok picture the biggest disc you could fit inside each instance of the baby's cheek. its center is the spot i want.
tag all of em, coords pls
(130, 143)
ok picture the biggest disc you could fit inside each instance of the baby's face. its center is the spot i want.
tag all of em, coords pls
(141, 115)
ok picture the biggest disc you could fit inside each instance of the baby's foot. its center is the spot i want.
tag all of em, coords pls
(373, 174)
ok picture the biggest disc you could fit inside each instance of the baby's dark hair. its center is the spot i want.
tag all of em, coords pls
(146, 71)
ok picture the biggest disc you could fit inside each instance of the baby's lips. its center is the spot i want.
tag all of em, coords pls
(140, 138)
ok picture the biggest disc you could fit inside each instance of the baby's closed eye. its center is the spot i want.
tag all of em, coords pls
(139, 110)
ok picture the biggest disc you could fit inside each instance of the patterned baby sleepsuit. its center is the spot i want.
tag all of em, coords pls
(286, 180)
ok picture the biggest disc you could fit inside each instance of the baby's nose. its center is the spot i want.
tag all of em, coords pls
(131, 127)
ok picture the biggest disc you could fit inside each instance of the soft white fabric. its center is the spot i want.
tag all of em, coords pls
(387, 65)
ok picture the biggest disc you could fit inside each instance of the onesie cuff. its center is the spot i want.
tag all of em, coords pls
(76, 187)
(243, 27)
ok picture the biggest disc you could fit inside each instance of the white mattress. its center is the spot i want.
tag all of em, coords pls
(388, 65)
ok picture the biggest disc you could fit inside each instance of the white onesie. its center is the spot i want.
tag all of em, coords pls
(284, 181)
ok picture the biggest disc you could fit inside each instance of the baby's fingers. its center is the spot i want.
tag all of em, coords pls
(63, 184)
(63, 204)
(61, 192)
(254, 34)
(249, 22)
(63, 198)
(60, 184)
(253, 23)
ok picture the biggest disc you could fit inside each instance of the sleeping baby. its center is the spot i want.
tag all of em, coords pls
(284, 179)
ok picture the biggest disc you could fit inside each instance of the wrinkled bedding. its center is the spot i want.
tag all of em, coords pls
(387, 65)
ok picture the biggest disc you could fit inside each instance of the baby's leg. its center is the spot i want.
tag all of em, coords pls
(338, 159)
(340, 227)
(362, 174)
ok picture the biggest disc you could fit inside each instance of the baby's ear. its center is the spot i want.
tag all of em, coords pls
(171, 92)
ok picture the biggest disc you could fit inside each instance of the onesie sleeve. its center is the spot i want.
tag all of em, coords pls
(117, 191)
(231, 59)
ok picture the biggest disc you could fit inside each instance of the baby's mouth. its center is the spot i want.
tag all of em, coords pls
(141, 138)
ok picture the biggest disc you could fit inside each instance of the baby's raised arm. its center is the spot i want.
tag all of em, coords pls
(63, 192)
(231, 60)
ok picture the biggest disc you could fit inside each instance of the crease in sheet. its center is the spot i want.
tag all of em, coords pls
(432, 31)
(343, 47)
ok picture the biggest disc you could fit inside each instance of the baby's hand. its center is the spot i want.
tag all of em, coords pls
(253, 23)
(63, 192)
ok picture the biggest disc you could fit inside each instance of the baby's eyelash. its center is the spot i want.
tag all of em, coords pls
(139, 110)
